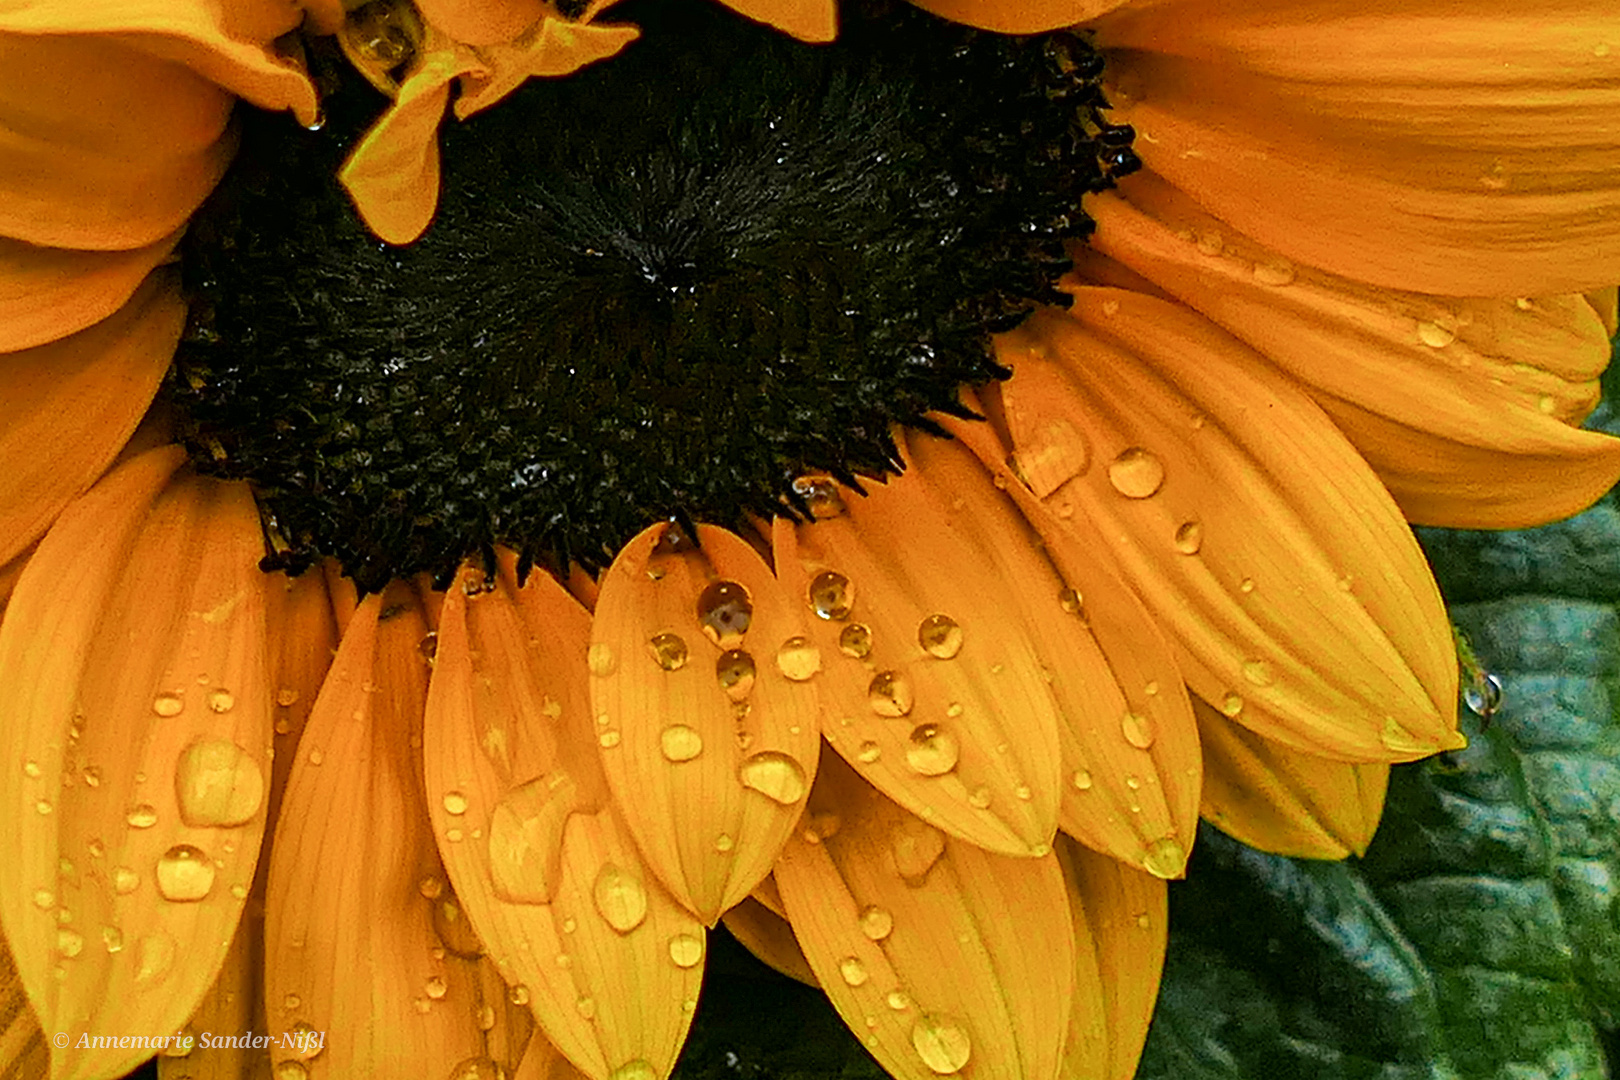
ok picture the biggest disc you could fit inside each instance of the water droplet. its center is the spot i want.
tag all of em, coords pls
(1231, 704)
(1081, 780)
(686, 950)
(1274, 272)
(608, 739)
(916, 847)
(680, 743)
(1071, 601)
(1165, 858)
(853, 971)
(168, 705)
(1483, 696)
(125, 880)
(1138, 730)
(1397, 738)
(69, 943)
(91, 775)
(112, 939)
(184, 874)
(855, 641)
(479, 1068)
(831, 595)
(797, 659)
(940, 636)
(634, 1070)
(1434, 335)
(431, 887)
(315, 755)
(142, 817)
(436, 988)
(898, 1001)
(821, 494)
(486, 1018)
(620, 898)
(221, 701)
(43, 807)
(876, 923)
(586, 1006)
(292, 1070)
(1189, 537)
(735, 671)
(868, 752)
(941, 1042)
(1023, 792)
(600, 660)
(455, 803)
(774, 775)
(889, 694)
(31, 769)
(1136, 473)
(979, 797)
(1258, 672)
(217, 783)
(724, 610)
(933, 750)
(1246, 586)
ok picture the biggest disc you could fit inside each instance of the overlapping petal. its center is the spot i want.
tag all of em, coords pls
(769, 937)
(1462, 152)
(1464, 407)
(1297, 597)
(49, 293)
(135, 686)
(1022, 16)
(22, 1045)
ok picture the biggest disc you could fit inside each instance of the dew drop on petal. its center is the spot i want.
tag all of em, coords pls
(609, 739)
(479, 1068)
(832, 596)
(1231, 704)
(1483, 696)
(455, 803)
(69, 942)
(855, 641)
(876, 923)
(889, 694)
(941, 1042)
(168, 705)
(868, 752)
(1071, 601)
(221, 701)
(1138, 730)
(620, 898)
(1189, 538)
(518, 995)
(853, 971)
(1258, 672)
(916, 846)
(436, 988)
(798, 659)
(1081, 780)
(940, 636)
(525, 841)
(634, 1070)
(724, 611)
(143, 816)
(1136, 473)
(586, 1007)
(668, 651)
(821, 494)
(685, 950)
(735, 672)
(898, 1001)
(774, 775)
(125, 880)
(112, 939)
(979, 798)
(1165, 858)
(680, 743)
(184, 874)
(932, 751)
(1276, 272)
(217, 783)
(1434, 335)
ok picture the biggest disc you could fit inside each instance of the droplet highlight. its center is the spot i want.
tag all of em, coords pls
(668, 651)
(832, 596)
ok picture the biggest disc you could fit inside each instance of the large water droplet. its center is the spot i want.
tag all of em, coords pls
(168, 704)
(1258, 672)
(1165, 858)
(889, 694)
(774, 775)
(154, 956)
(184, 874)
(1189, 538)
(932, 751)
(853, 971)
(876, 923)
(217, 783)
(916, 846)
(668, 651)
(455, 803)
(1136, 473)
(680, 743)
(525, 839)
(1138, 730)
(855, 641)
(832, 596)
(724, 610)
(941, 1042)
(478, 1068)
(685, 950)
(1434, 335)
(797, 659)
(735, 671)
(221, 701)
(940, 636)
(620, 898)
(1275, 272)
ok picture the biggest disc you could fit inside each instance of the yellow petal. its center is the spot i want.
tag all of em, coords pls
(303, 639)
(66, 408)
(1297, 598)
(1021, 16)
(704, 683)
(134, 681)
(608, 961)
(769, 937)
(556, 47)
(49, 293)
(807, 20)
(1463, 407)
(933, 686)
(1398, 146)
(1129, 740)
(1280, 800)
(482, 22)
(1123, 915)
(939, 956)
(23, 1053)
(351, 943)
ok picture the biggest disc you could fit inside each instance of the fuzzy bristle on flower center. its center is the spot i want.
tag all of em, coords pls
(664, 287)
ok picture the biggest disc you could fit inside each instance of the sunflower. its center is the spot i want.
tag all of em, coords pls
(876, 494)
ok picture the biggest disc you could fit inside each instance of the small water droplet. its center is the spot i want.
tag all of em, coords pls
(125, 880)
(168, 704)
(599, 658)
(898, 1001)
(940, 636)
(1165, 858)
(933, 751)
(43, 807)
(832, 596)
(455, 803)
(486, 1018)
(1276, 272)
(1258, 672)
(184, 874)
(821, 493)
(1231, 704)
(609, 739)
(518, 995)
(217, 783)
(1189, 538)
(1136, 473)
(31, 769)
(724, 843)
(1138, 730)
(774, 775)
(479, 1068)
(1023, 792)
(876, 923)
(853, 971)
(916, 846)
(724, 610)
(797, 659)
(979, 797)
(69, 943)
(1483, 696)
(941, 1042)
(620, 898)
(1071, 601)
(221, 701)
(855, 641)
(112, 939)
(868, 752)
(1434, 335)
(436, 988)
(668, 651)
(735, 671)
(889, 694)
(680, 743)
(1246, 586)
(91, 775)
(685, 950)
(1081, 780)
(430, 887)
(143, 816)
(315, 756)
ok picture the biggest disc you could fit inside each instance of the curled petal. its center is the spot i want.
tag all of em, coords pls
(705, 685)
(769, 937)
(1259, 539)
(1463, 406)
(1280, 800)
(555, 47)
(1022, 16)
(1389, 145)
(138, 720)
(607, 960)
(935, 952)
(807, 20)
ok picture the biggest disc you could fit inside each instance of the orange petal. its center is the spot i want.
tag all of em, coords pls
(1265, 547)
(770, 896)
(1606, 304)
(1021, 16)
(935, 952)
(1123, 915)
(1129, 740)
(558, 47)
(23, 1053)
(1280, 800)
(807, 20)
(482, 22)
(934, 687)
(352, 949)
(393, 174)
(233, 1006)
(769, 937)
(704, 682)
(49, 293)
(66, 408)
(1463, 407)
(1391, 145)
(138, 720)
(542, 1061)
(609, 962)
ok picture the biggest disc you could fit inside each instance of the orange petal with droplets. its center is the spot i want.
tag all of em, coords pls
(1280, 800)
(807, 20)
(1129, 740)
(936, 953)
(1021, 16)
(558, 47)
(1463, 407)
(769, 937)
(351, 937)
(1298, 600)
(138, 726)
(550, 877)
(48, 293)
(66, 408)
(704, 682)
(1393, 146)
